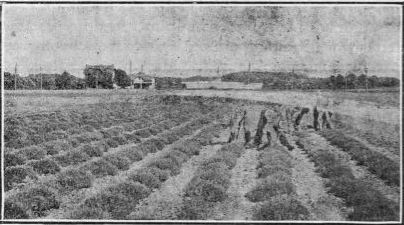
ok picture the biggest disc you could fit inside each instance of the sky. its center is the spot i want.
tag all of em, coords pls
(67, 37)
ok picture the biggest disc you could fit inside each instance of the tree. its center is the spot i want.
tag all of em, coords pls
(340, 82)
(351, 81)
(121, 78)
(98, 76)
(362, 79)
(64, 81)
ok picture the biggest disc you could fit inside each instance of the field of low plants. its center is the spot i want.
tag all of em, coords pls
(162, 156)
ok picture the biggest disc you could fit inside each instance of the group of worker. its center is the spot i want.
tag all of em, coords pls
(270, 124)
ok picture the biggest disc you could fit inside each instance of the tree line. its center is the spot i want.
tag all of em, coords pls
(93, 78)
(291, 80)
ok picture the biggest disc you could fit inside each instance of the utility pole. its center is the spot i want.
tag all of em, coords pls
(15, 77)
(249, 66)
(40, 74)
(366, 78)
(130, 67)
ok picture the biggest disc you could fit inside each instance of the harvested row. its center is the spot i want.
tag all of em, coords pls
(367, 203)
(276, 193)
(119, 200)
(376, 162)
(210, 183)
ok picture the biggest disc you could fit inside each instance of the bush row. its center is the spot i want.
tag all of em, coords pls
(210, 183)
(276, 190)
(368, 204)
(376, 162)
(100, 167)
(119, 200)
(20, 133)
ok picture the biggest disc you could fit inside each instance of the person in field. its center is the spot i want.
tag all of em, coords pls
(268, 126)
(234, 125)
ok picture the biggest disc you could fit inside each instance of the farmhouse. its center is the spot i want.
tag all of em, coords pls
(142, 81)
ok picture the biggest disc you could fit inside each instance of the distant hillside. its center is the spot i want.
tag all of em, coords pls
(199, 78)
(259, 77)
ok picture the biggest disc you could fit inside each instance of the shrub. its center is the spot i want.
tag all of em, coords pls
(270, 187)
(11, 159)
(161, 175)
(100, 168)
(119, 200)
(147, 178)
(376, 209)
(227, 158)
(92, 150)
(74, 179)
(120, 161)
(54, 147)
(72, 158)
(169, 138)
(112, 143)
(14, 211)
(38, 199)
(32, 152)
(189, 147)
(209, 190)
(16, 175)
(111, 132)
(133, 138)
(151, 146)
(195, 208)
(134, 154)
(177, 156)
(121, 140)
(166, 164)
(281, 208)
(143, 133)
(85, 212)
(45, 166)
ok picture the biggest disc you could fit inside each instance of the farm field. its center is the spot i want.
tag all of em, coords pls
(164, 155)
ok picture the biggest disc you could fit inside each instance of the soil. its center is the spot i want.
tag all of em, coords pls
(243, 179)
(310, 188)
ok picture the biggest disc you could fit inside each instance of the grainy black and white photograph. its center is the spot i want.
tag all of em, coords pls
(201, 112)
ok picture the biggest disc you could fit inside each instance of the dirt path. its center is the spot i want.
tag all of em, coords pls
(165, 203)
(243, 179)
(310, 188)
(360, 172)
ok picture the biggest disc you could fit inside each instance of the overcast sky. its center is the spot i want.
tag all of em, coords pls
(58, 37)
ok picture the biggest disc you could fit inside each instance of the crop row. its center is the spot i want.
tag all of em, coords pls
(368, 204)
(36, 200)
(275, 192)
(210, 183)
(119, 200)
(376, 162)
(51, 165)
(18, 135)
(374, 132)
